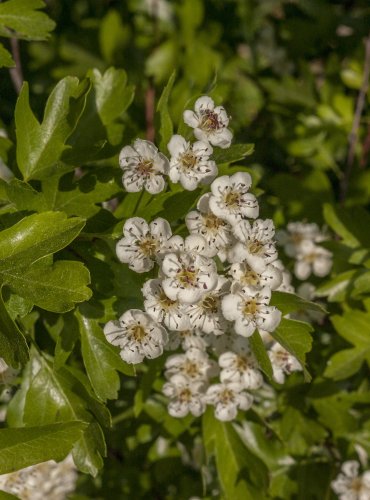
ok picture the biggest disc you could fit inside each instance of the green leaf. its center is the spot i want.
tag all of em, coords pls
(242, 475)
(40, 146)
(232, 154)
(289, 302)
(24, 196)
(67, 337)
(13, 345)
(6, 59)
(101, 359)
(113, 96)
(7, 496)
(352, 224)
(36, 236)
(354, 326)
(55, 288)
(346, 363)
(295, 337)
(23, 447)
(166, 125)
(61, 396)
(336, 289)
(22, 19)
(259, 351)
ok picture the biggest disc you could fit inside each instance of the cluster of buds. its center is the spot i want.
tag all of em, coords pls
(214, 286)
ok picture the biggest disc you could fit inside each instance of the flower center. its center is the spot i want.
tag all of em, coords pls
(185, 395)
(138, 333)
(250, 307)
(356, 484)
(310, 258)
(250, 278)
(209, 121)
(188, 160)
(241, 364)
(232, 199)
(210, 303)
(191, 369)
(145, 167)
(213, 222)
(226, 396)
(148, 247)
(165, 302)
(255, 246)
(187, 276)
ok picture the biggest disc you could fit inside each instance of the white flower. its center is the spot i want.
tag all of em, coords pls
(349, 484)
(190, 164)
(249, 309)
(163, 309)
(255, 245)
(186, 396)
(209, 122)
(206, 315)
(193, 364)
(217, 232)
(230, 199)
(143, 243)
(296, 233)
(283, 363)
(187, 339)
(143, 167)
(187, 277)
(194, 245)
(240, 368)
(137, 335)
(243, 274)
(43, 481)
(312, 259)
(227, 398)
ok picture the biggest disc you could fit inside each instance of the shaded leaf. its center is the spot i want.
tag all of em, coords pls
(166, 125)
(13, 345)
(232, 154)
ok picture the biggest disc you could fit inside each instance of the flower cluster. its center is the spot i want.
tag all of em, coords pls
(350, 484)
(214, 286)
(300, 241)
(47, 480)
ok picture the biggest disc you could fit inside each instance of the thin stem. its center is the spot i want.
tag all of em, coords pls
(353, 136)
(123, 416)
(16, 73)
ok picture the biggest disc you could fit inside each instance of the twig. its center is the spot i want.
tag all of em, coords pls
(16, 73)
(356, 122)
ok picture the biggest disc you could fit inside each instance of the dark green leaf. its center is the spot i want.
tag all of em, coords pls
(289, 302)
(6, 59)
(166, 125)
(13, 345)
(232, 154)
(23, 447)
(259, 351)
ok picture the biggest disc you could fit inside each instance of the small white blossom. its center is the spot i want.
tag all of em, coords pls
(137, 335)
(295, 234)
(143, 167)
(193, 364)
(286, 283)
(206, 315)
(243, 274)
(209, 122)
(187, 339)
(349, 484)
(312, 259)
(230, 199)
(163, 309)
(193, 245)
(249, 309)
(241, 368)
(283, 363)
(255, 246)
(190, 164)
(185, 396)
(143, 243)
(217, 232)
(187, 278)
(227, 398)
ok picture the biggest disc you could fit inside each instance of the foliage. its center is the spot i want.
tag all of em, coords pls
(289, 74)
